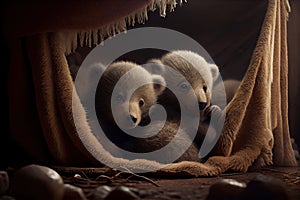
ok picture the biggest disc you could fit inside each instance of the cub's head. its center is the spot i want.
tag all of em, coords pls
(193, 77)
(122, 96)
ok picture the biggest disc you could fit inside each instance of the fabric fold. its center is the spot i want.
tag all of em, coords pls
(256, 125)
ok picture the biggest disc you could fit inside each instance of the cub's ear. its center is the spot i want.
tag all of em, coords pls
(154, 66)
(87, 80)
(159, 84)
(95, 70)
(214, 71)
(92, 74)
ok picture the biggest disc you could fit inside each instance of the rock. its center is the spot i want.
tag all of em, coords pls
(37, 182)
(142, 193)
(121, 192)
(174, 195)
(265, 187)
(101, 192)
(226, 189)
(73, 193)
(4, 182)
(77, 176)
(5, 197)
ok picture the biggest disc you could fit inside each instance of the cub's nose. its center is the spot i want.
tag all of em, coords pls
(134, 119)
(202, 105)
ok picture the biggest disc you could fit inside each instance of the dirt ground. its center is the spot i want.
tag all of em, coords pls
(175, 188)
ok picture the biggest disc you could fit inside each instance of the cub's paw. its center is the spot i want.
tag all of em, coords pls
(264, 159)
(217, 164)
(186, 167)
(239, 163)
(214, 111)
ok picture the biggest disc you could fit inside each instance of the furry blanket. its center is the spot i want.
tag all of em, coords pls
(256, 131)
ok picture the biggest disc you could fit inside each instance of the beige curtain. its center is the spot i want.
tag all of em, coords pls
(256, 130)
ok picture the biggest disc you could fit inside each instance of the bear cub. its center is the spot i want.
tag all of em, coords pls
(122, 107)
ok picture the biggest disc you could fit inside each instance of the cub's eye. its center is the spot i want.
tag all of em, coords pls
(184, 86)
(141, 102)
(204, 88)
(120, 98)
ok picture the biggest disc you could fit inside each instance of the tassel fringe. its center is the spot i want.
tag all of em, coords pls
(95, 37)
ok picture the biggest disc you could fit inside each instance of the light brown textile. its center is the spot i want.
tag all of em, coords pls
(256, 131)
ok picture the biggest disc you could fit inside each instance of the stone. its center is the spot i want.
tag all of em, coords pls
(5, 197)
(72, 192)
(4, 182)
(37, 182)
(226, 189)
(101, 192)
(121, 192)
(265, 187)
(142, 193)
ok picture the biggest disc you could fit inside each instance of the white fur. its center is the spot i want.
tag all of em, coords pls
(208, 71)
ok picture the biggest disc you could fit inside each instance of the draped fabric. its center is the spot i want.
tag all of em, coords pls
(256, 131)
(260, 131)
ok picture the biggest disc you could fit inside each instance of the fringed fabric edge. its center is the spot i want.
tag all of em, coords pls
(94, 37)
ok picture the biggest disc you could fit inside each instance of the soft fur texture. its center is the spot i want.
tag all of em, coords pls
(251, 132)
(255, 133)
(138, 113)
(188, 74)
(139, 103)
(190, 77)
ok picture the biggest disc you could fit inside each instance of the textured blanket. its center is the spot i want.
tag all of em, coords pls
(255, 133)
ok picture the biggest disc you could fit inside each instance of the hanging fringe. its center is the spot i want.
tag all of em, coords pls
(94, 37)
